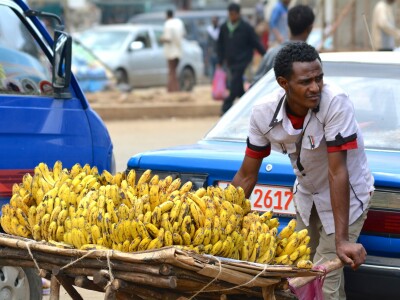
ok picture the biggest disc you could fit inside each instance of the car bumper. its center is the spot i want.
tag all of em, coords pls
(378, 278)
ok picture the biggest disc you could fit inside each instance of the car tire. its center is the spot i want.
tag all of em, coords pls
(187, 79)
(121, 76)
(20, 283)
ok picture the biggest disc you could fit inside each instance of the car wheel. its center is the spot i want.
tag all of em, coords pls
(187, 79)
(121, 76)
(19, 283)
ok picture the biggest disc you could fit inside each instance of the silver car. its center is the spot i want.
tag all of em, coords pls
(136, 56)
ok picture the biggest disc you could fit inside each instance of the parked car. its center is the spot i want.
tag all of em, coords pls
(136, 56)
(196, 23)
(373, 83)
(91, 73)
(44, 117)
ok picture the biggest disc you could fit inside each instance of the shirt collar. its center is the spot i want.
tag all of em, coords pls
(280, 112)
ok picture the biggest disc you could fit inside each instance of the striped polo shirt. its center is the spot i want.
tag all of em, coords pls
(330, 127)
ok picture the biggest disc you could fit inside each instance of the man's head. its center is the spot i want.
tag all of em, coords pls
(234, 12)
(390, 1)
(215, 21)
(300, 20)
(298, 70)
(170, 14)
(286, 2)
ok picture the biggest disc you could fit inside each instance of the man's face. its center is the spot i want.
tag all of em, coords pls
(286, 2)
(303, 88)
(234, 16)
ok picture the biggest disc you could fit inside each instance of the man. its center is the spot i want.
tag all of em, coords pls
(212, 38)
(174, 31)
(300, 20)
(278, 23)
(314, 123)
(236, 42)
(384, 32)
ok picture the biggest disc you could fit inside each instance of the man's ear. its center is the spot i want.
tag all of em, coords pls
(283, 82)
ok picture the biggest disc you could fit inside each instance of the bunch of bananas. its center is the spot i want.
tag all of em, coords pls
(84, 209)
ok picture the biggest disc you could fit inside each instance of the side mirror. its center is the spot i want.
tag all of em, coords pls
(62, 49)
(136, 45)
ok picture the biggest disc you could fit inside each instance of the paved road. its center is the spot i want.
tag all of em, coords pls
(130, 137)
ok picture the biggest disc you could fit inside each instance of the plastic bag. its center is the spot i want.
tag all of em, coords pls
(219, 90)
(312, 290)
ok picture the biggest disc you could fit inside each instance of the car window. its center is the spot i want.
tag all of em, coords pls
(103, 39)
(158, 34)
(144, 37)
(24, 68)
(374, 89)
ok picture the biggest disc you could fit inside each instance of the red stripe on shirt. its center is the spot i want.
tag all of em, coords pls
(348, 146)
(258, 154)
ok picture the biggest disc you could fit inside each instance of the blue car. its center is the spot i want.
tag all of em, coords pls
(373, 82)
(44, 117)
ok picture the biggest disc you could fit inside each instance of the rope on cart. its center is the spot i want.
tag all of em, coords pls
(30, 253)
(75, 261)
(231, 288)
(208, 284)
(109, 268)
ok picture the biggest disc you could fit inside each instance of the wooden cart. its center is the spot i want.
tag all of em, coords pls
(167, 273)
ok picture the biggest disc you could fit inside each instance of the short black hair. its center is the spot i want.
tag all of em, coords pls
(300, 18)
(234, 7)
(170, 13)
(293, 52)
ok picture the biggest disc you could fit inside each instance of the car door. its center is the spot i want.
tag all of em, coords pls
(146, 61)
(34, 125)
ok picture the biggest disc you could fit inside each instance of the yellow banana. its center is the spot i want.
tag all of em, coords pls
(131, 177)
(186, 187)
(153, 197)
(144, 178)
(152, 229)
(281, 260)
(200, 192)
(186, 238)
(134, 244)
(304, 264)
(175, 185)
(216, 249)
(177, 238)
(144, 244)
(198, 237)
(291, 246)
(168, 240)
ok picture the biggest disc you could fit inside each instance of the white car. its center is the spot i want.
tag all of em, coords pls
(136, 56)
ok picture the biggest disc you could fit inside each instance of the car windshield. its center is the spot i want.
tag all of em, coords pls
(373, 88)
(103, 40)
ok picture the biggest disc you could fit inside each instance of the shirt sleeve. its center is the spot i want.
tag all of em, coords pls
(258, 145)
(341, 126)
(275, 15)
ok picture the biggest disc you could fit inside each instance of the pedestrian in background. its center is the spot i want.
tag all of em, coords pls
(300, 20)
(236, 42)
(314, 123)
(278, 28)
(174, 31)
(384, 32)
(212, 40)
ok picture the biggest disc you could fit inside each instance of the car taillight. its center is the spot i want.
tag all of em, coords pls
(8, 178)
(384, 214)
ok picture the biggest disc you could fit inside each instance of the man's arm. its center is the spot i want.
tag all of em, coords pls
(349, 253)
(247, 175)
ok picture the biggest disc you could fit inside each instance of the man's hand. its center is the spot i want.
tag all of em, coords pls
(352, 254)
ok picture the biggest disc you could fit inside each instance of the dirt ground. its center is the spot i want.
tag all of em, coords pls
(152, 96)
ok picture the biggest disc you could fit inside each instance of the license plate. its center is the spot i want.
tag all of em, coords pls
(267, 197)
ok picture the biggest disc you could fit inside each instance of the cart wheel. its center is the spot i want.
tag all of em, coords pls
(18, 283)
